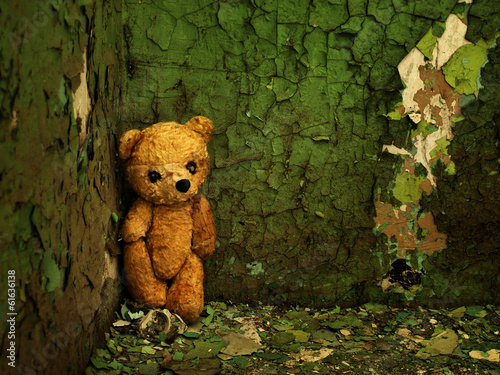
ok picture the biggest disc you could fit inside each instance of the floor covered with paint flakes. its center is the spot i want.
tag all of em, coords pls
(243, 339)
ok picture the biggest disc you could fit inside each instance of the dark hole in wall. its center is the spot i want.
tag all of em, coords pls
(403, 274)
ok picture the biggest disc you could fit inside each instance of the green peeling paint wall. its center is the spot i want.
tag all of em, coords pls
(301, 94)
(59, 196)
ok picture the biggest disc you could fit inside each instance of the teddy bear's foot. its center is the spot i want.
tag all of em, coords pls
(185, 296)
(142, 283)
(185, 302)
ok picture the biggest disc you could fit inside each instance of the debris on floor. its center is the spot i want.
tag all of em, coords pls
(239, 339)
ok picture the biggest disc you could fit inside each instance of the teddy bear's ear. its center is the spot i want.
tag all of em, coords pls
(202, 126)
(127, 142)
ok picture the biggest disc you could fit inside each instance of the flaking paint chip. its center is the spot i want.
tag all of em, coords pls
(239, 345)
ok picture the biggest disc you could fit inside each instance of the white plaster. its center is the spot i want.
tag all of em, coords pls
(445, 113)
(428, 114)
(454, 106)
(409, 71)
(111, 268)
(415, 117)
(396, 150)
(452, 39)
(81, 101)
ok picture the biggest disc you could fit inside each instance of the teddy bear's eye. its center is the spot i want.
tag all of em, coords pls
(191, 167)
(154, 176)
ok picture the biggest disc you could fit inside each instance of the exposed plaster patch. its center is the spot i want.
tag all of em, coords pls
(111, 269)
(410, 67)
(427, 96)
(396, 150)
(452, 39)
(310, 355)
(409, 70)
(407, 229)
(431, 103)
(81, 103)
(424, 146)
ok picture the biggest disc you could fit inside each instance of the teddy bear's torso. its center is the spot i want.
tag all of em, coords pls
(169, 238)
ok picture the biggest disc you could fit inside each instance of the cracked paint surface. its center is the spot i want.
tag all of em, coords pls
(59, 75)
(300, 94)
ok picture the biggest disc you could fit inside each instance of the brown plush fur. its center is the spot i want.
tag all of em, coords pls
(168, 231)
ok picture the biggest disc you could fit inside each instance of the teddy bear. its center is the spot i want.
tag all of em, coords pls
(169, 229)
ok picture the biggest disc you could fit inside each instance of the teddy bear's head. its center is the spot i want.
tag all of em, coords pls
(167, 163)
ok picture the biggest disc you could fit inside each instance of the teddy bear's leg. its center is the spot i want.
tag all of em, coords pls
(142, 283)
(185, 296)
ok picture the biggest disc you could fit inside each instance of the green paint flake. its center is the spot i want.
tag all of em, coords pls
(450, 168)
(321, 138)
(441, 145)
(382, 227)
(353, 25)
(206, 348)
(423, 128)
(328, 15)
(407, 188)
(210, 317)
(255, 268)
(178, 356)
(61, 94)
(463, 69)
(394, 115)
(191, 335)
(300, 336)
(52, 275)
(136, 315)
(438, 28)
(427, 44)
(457, 118)
(319, 214)
(148, 350)
(283, 88)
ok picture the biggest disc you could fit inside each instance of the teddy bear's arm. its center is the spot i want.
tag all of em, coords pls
(204, 228)
(138, 220)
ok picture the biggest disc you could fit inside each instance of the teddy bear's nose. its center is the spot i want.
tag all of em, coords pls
(183, 185)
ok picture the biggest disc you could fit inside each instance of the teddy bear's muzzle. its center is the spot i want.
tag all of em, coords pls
(183, 185)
